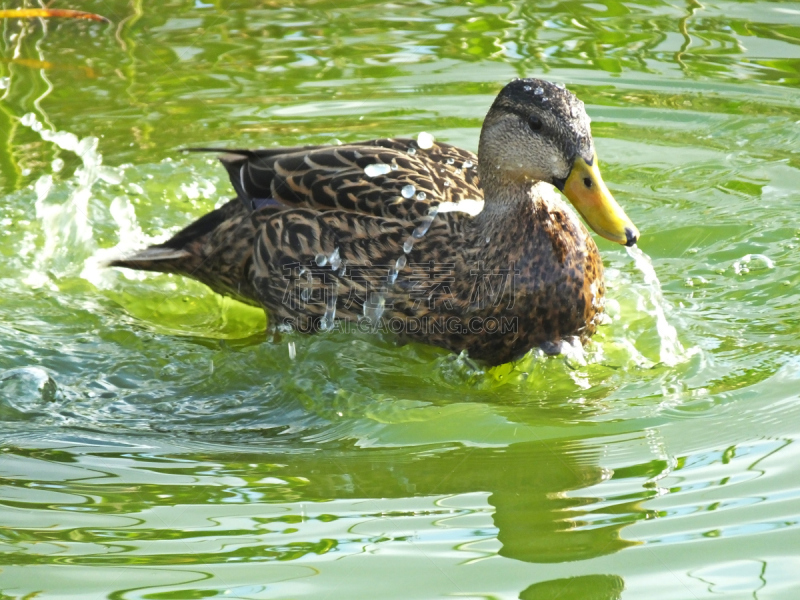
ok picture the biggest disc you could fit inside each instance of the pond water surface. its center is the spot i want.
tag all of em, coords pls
(156, 445)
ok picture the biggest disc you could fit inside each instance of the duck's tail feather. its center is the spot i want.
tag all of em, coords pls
(154, 258)
(184, 252)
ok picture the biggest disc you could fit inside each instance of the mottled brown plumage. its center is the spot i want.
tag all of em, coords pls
(372, 233)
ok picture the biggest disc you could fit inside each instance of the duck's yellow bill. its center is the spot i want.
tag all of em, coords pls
(588, 193)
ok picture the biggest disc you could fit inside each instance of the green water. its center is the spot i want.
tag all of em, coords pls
(155, 445)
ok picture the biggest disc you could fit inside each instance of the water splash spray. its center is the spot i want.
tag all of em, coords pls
(671, 352)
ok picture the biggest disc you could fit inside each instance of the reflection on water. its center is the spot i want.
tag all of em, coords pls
(156, 445)
(588, 587)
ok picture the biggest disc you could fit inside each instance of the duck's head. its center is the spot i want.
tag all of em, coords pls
(537, 131)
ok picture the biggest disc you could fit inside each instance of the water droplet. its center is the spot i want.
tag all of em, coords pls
(423, 227)
(561, 86)
(330, 312)
(374, 307)
(446, 183)
(425, 140)
(527, 88)
(305, 294)
(334, 259)
(408, 244)
(451, 160)
(400, 263)
(468, 164)
(377, 169)
(321, 260)
(538, 91)
(408, 191)
(421, 195)
(394, 166)
(292, 351)
(458, 171)
(573, 112)
(412, 150)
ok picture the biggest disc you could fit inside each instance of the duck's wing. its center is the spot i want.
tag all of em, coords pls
(387, 177)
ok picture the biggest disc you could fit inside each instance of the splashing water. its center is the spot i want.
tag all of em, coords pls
(672, 352)
(66, 225)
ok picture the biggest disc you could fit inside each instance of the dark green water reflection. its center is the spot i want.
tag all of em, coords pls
(155, 445)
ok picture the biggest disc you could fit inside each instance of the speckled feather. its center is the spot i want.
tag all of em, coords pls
(311, 237)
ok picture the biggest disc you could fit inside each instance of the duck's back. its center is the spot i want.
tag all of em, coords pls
(393, 178)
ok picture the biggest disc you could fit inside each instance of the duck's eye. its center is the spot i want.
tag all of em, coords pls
(534, 123)
(587, 182)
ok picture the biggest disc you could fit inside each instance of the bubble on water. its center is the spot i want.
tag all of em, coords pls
(377, 169)
(752, 262)
(425, 140)
(408, 191)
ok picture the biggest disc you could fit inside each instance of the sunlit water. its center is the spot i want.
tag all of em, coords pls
(157, 444)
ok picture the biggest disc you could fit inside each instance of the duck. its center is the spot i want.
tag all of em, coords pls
(419, 238)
